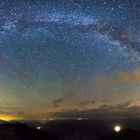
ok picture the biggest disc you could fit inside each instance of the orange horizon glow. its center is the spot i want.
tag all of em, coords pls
(9, 117)
(16, 118)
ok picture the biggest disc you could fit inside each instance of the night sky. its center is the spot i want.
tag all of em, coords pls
(69, 59)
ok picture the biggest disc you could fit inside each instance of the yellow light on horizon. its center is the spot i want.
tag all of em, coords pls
(8, 117)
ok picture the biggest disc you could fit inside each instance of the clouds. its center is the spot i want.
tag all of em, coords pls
(132, 76)
(58, 102)
(87, 102)
(124, 110)
(61, 101)
(9, 113)
(121, 77)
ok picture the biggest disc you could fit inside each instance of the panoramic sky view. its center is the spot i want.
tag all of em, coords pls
(69, 59)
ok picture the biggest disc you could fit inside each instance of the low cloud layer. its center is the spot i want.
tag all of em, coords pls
(58, 101)
(87, 102)
(104, 111)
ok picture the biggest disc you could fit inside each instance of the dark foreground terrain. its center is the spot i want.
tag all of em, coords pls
(64, 130)
(23, 132)
(123, 135)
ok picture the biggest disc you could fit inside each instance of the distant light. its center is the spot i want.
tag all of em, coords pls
(117, 128)
(80, 119)
(38, 127)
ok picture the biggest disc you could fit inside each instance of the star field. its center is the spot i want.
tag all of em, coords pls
(68, 57)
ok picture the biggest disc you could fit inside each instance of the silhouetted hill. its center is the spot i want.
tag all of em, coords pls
(123, 135)
(77, 129)
(3, 122)
(70, 127)
(65, 130)
(22, 132)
